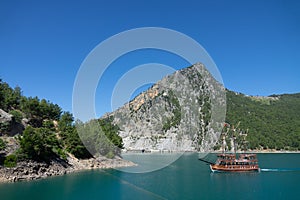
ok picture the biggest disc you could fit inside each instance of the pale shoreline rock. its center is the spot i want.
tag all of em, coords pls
(32, 170)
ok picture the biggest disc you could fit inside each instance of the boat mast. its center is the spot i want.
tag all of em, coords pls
(244, 141)
(234, 144)
(223, 135)
(235, 132)
(223, 143)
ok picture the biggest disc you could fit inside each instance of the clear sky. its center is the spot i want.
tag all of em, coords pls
(255, 44)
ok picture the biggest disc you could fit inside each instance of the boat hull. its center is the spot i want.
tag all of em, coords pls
(221, 168)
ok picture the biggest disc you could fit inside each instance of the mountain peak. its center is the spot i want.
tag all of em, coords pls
(178, 113)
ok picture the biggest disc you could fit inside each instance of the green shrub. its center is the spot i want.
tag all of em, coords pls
(4, 127)
(61, 153)
(17, 115)
(2, 144)
(110, 155)
(10, 161)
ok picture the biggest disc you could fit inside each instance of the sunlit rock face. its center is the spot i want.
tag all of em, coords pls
(182, 112)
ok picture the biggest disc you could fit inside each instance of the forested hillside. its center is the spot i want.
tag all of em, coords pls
(41, 129)
(273, 122)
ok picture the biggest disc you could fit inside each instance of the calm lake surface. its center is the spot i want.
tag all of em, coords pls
(186, 178)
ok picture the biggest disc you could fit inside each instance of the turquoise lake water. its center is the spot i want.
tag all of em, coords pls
(186, 178)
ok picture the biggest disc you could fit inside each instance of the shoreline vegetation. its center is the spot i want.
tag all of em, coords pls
(38, 139)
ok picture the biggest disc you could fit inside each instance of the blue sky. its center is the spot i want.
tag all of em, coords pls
(255, 44)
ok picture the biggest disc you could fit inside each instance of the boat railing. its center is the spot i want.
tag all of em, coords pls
(241, 166)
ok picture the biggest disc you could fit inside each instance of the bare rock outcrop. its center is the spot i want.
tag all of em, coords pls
(184, 111)
(9, 124)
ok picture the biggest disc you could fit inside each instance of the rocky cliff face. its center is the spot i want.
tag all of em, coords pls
(9, 125)
(184, 111)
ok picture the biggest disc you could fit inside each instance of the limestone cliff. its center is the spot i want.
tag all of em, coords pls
(182, 112)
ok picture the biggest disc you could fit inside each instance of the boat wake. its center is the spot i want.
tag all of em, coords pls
(280, 170)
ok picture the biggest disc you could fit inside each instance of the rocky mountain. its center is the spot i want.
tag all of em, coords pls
(184, 111)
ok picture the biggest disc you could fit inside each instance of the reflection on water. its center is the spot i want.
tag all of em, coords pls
(148, 162)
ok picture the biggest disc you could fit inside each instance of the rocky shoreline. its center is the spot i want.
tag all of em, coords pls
(32, 170)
